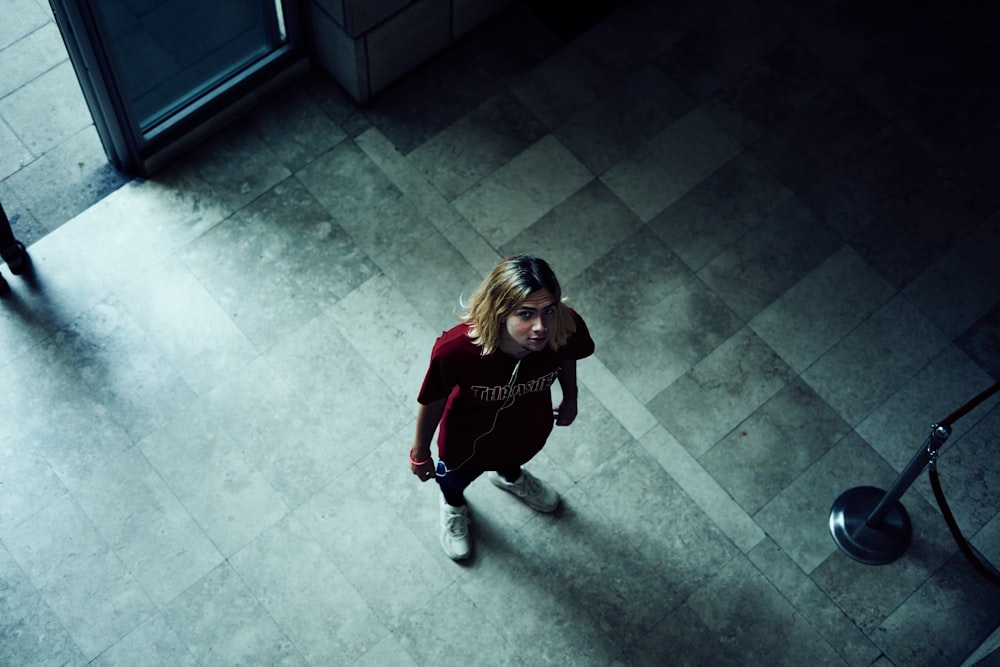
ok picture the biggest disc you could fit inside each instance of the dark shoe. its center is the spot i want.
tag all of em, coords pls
(21, 263)
(4, 287)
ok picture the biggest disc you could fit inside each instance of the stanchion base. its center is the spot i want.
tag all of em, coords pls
(872, 546)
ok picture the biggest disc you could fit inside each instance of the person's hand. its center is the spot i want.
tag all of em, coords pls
(565, 413)
(422, 467)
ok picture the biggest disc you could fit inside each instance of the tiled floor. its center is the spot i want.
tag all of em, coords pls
(782, 226)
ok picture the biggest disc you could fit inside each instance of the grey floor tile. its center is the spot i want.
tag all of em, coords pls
(277, 263)
(124, 369)
(435, 95)
(461, 634)
(575, 77)
(594, 436)
(966, 619)
(770, 258)
(209, 472)
(288, 443)
(613, 395)
(365, 203)
(473, 147)
(195, 335)
(150, 531)
(289, 572)
(744, 609)
(239, 165)
(670, 164)
(654, 26)
(594, 217)
(391, 317)
(718, 49)
(898, 70)
(552, 625)
(968, 472)
(32, 632)
(75, 569)
(517, 194)
(15, 155)
(55, 93)
(434, 277)
(66, 181)
(952, 294)
(31, 56)
(981, 340)
(908, 236)
(717, 213)
(818, 610)
(652, 514)
(722, 390)
(25, 17)
(869, 595)
(769, 90)
(73, 414)
(868, 366)
(29, 483)
(837, 34)
(629, 112)
(600, 568)
(853, 191)
(296, 128)
(817, 312)
(220, 620)
(374, 548)
(683, 639)
(152, 641)
(898, 427)
(797, 519)
(703, 489)
(773, 446)
(797, 154)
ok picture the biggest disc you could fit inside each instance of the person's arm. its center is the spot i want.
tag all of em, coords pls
(428, 418)
(566, 412)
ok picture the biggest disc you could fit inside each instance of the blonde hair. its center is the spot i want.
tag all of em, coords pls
(504, 290)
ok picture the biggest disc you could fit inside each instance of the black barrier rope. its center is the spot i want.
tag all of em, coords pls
(986, 570)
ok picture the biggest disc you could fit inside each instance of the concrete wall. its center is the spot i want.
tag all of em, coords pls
(365, 45)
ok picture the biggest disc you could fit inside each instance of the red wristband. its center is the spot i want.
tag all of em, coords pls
(418, 463)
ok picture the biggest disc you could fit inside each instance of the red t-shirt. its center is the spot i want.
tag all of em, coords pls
(490, 421)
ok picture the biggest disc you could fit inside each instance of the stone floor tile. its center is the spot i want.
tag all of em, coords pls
(219, 619)
(720, 391)
(817, 312)
(517, 194)
(152, 640)
(32, 632)
(288, 570)
(670, 164)
(774, 445)
(770, 259)
(744, 609)
(869, 365)
(79, 577)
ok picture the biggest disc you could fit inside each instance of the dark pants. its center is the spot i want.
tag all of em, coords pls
(454, 482)
(8, 244)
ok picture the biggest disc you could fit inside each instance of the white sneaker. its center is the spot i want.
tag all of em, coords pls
(533, 491)
(455, 537)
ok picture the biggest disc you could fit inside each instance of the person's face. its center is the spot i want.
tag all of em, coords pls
(528, 327)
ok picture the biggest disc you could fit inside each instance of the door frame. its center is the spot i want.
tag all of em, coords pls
(140, 153)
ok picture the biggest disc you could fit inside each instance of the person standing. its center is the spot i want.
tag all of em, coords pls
(12, 251)
(487, 392)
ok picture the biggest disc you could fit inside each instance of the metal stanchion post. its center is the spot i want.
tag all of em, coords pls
(872, 526)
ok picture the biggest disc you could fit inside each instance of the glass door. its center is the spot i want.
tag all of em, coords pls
(160, 74)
